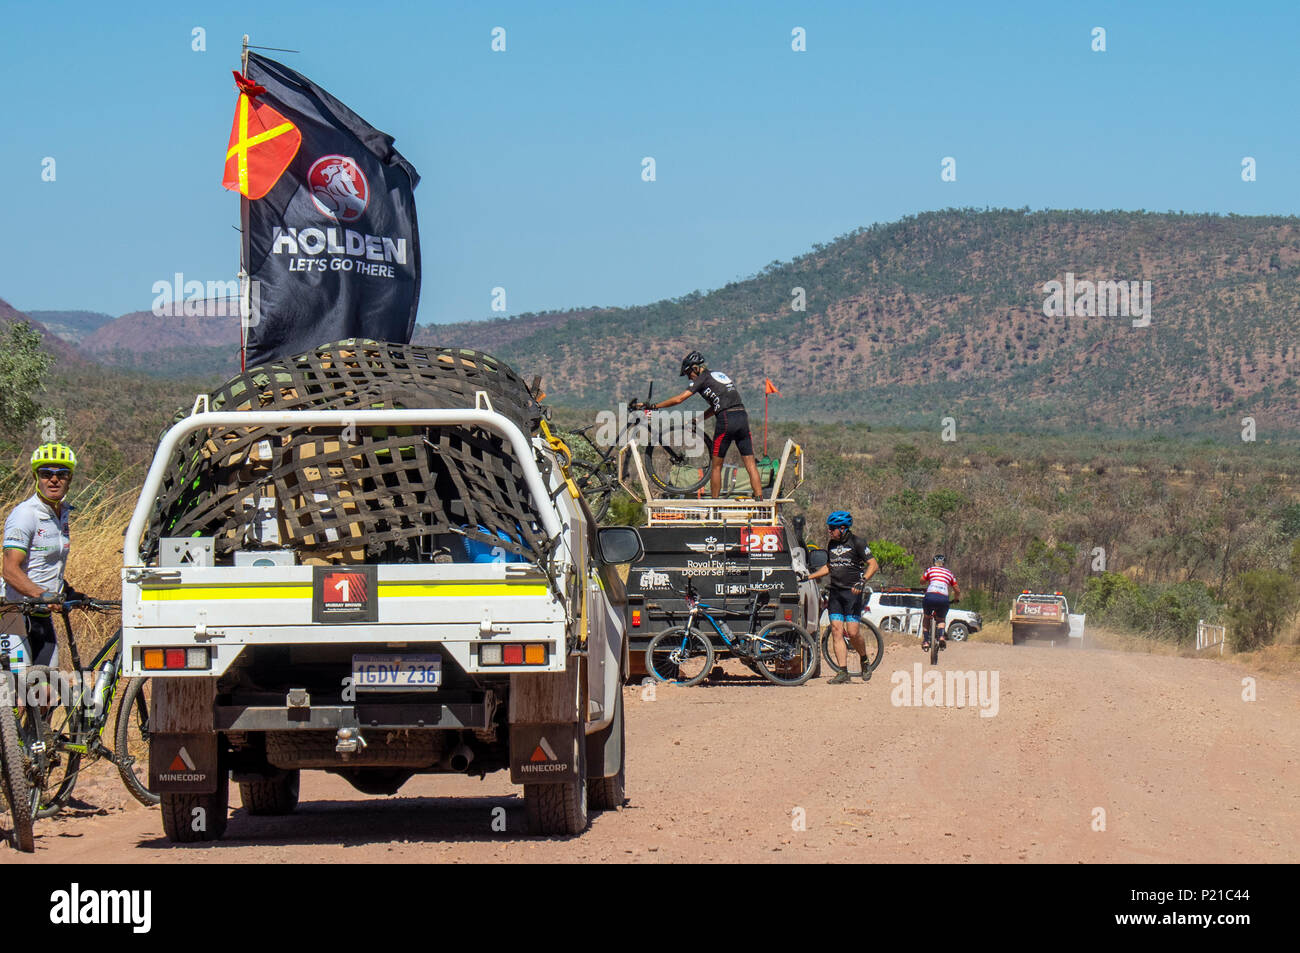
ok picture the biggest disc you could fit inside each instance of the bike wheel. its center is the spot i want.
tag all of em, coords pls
(592, 485)
(874, 643)
(679, 657)
(40, 752)
(678, 472)
(66, 723)
(934, 643)
(131, 742)
(13, 778)
(871, 638)
(791, 656)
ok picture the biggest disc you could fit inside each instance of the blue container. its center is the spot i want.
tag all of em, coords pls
(479, 551)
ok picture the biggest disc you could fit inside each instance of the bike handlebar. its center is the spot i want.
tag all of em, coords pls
(28, 604)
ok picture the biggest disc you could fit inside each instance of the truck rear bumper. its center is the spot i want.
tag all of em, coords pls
(453, 715)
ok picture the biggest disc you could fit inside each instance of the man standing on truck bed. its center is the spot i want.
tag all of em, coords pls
(719, 391)
(36, 547)
(849, 564)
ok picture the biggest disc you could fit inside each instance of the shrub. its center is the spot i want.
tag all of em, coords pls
(1260, 604)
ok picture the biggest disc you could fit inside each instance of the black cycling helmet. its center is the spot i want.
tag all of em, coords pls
(694, 359)
(939, 559)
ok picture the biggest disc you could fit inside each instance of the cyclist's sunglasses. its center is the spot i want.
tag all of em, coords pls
(50, 473)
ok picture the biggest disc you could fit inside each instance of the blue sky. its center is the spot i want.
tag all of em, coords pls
(531, 158)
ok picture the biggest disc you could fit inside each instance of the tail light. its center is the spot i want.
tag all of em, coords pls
(178, 659)
(513, 653)
(636, 616)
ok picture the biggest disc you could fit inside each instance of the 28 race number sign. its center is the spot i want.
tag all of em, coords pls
(761, 539)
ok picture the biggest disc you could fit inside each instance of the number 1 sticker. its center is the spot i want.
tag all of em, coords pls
(344, 595)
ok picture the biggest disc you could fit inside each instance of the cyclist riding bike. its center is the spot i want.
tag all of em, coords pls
(719, 391)
(849, 564)
(36, 546)
(940, 590)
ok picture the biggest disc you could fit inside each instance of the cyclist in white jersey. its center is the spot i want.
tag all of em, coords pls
(940, 590)
(36, 546)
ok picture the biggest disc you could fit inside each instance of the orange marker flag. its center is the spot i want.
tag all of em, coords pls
(770, 387)
(262, 144)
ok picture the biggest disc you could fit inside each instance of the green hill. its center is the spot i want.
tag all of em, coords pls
(943, 314)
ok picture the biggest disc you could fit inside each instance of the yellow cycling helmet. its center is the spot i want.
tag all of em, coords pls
(54, 453)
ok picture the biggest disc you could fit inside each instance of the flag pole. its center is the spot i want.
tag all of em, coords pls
(245, 306)
(765, 397)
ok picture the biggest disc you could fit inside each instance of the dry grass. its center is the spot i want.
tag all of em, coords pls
(1274, 660)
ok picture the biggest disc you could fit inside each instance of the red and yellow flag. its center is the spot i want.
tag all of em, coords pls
(770, 388)
(262, 144)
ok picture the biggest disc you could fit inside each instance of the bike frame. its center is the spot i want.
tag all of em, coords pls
(698, 608)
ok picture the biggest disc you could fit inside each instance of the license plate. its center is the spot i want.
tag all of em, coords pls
(396, 672)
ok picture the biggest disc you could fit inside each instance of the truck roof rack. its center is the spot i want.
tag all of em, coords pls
(697, 511)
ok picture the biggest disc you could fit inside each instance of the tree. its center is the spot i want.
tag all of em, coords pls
(22, 370)
(891, 557)
(1262, 601)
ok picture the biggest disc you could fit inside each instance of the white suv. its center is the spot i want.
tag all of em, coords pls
(899, 610)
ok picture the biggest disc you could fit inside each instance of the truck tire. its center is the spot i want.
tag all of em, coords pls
(181, 818)
(958, 631)
(608, 794)
(557, 808)
(271, 797)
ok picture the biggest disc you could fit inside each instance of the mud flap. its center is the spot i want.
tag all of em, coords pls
(183, 763)
(605, 747)
(546, 754)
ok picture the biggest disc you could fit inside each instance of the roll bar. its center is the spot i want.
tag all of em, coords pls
(487, 419)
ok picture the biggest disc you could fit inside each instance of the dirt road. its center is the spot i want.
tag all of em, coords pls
(1079, 756)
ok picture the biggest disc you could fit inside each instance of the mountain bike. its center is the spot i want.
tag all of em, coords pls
(61, 719)
(929, 630)
(782, 652)
(676, 470)
(78, 726)
(875, 645)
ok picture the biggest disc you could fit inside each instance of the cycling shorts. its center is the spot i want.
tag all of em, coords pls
(936, 605)
(42, 641)
(732, 427)
(844, 605)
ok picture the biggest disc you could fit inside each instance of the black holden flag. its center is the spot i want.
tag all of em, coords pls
(332, 247)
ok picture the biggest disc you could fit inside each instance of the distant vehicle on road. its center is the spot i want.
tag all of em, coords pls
(1041, 615)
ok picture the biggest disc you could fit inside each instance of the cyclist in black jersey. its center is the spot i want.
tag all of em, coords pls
(719, 391)
(849, 564)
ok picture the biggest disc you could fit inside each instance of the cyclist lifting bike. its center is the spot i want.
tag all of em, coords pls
(725, 405)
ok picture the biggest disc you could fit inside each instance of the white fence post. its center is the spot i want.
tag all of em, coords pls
(1208, 636)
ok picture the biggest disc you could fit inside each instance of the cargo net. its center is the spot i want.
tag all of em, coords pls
(358, 494)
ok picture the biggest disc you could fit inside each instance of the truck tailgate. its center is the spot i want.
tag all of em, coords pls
(459, 605)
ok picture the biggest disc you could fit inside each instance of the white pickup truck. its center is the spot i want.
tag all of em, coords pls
(264, 666)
